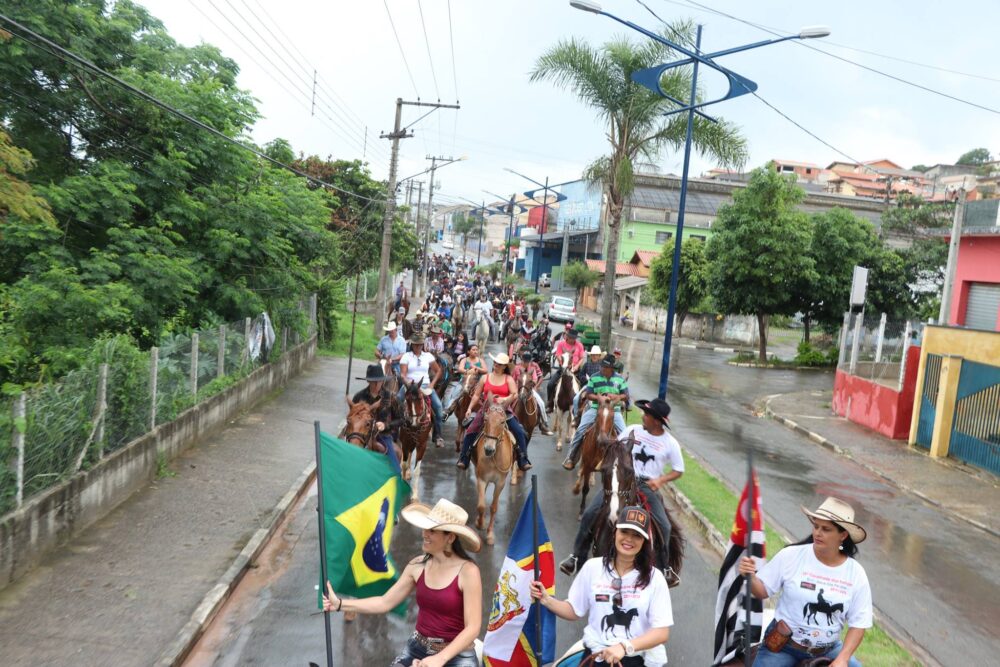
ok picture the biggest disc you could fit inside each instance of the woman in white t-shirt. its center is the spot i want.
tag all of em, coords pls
(623, 596)
(823, 588)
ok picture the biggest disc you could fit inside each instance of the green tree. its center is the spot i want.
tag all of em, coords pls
(918, 225)
(760, 251)
(466, 226)
(692, 278)
(579, 276)
(977, 156)
(17, 199)
(633, 118)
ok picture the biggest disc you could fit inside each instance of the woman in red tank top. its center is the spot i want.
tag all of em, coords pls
(448, 589)
(497, 386)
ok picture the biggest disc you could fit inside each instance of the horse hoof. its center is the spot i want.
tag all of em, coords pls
(489, 540)
(559, 447)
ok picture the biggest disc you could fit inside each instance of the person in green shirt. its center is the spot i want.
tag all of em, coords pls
(607, 383)
(446, 327)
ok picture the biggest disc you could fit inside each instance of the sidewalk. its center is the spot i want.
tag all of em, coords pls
(963, 491)
(120, 593)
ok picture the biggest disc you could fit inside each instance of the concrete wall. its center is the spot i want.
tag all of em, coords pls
(732, 329)
(877, 406)
(54, 516)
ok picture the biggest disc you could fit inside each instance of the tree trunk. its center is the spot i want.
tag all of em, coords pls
(611, 262)
(681, 316)
(762, 337)
(805, 328)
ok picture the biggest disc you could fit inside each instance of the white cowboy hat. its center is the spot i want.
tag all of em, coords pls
(388, 326)
(445, 515)
(840, 513)
(501, 359)
(596, 350)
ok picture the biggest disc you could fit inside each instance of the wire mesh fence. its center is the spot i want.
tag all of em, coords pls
(49, 432)
(874, 347)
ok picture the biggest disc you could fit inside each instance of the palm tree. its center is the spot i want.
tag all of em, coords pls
(635, 121)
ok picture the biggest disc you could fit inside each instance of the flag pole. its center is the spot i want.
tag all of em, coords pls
(350, 349)
(322, 541)
(748, 594)
(534, 550)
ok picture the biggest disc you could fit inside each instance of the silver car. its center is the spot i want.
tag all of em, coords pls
(561, 309)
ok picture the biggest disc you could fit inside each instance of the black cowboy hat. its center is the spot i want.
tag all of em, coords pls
(609, 361)
(374, 374)
(657, 407)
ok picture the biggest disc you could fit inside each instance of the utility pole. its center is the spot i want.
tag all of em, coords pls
(949, 272)
(409, 202)
(430, 209)
(420, 197)
(510, 237)
(390, 204)
(479, 248)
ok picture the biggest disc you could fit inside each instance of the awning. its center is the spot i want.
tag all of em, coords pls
(630, 282)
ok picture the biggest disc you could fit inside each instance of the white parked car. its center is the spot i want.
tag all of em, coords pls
(447, 245)
(545, 280)
(561, 309)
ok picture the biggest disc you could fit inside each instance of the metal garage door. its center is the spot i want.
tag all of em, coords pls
(983, 306)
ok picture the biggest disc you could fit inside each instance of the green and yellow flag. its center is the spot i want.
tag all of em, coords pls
(362, 494)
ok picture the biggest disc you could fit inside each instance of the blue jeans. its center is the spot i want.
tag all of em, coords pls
(789, 657)
(520, 441)
(435, 406)
(415, 651)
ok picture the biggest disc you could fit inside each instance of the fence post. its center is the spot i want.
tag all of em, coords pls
(844, 328)
(859, 321)
(102, 408)
(194, 364)
(154, 367)
(881, 338)
(20, 416)
(907, 332)
(220, 370)
(245, 357)
(312, 313)
(284, 339)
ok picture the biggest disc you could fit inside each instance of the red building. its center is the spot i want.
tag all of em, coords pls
(975, 295)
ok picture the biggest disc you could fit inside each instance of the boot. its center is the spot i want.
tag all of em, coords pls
(568, 566)
(574, 456)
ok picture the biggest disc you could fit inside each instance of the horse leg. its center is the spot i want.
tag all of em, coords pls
(497, 489)
(480, 503)
(415, 485)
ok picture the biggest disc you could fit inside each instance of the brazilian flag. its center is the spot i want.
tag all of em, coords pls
(362, 495)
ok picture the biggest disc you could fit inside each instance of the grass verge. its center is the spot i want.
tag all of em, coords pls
(718, 504)
(340, 342)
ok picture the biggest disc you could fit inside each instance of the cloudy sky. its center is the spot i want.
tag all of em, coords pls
(539, 130)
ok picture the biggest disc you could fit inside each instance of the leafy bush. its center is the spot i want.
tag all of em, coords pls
(810, 356)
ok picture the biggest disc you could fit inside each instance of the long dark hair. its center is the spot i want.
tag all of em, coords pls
(457, 548)
(643, 560)
(850, 549)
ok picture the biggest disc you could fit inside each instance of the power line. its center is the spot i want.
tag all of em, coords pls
(71, 57)
(451, 38)
(868, 68)
(428, 43)
(401, 51)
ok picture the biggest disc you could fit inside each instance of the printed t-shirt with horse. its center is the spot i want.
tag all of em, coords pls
(598, 384)
(816, 599)
(592, 597)
(418, 367)
(651, 453)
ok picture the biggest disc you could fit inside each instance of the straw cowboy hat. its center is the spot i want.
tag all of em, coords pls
(840, 513)
(596, 350)
(388, 326)
(501, 359)
(445, 515)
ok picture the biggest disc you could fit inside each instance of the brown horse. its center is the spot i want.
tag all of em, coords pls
(392, 380)
(525, 408)
(594, 443)
(462, 402)
(359, 428)
(392, 309)
(566, 389)
(414, 432)
(621, 490)
(494, 458)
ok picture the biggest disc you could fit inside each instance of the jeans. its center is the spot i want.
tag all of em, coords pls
(586, 421)
(520, 440)
(789, 657)
(414, 651)
(452, 394)
(435, 406)
(543, 419)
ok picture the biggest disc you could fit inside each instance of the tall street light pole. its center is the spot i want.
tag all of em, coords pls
(510, 226)
(650, 78)
(543, 225)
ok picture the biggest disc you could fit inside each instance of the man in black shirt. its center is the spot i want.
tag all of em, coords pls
(389, 415)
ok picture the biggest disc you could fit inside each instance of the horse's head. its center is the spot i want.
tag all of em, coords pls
(415, 405)
(605, 414)
(494, 422)
(469, 383)
(525, 386)
(360, 422)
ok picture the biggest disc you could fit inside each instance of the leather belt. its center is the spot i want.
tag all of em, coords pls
(814, 651)
(431, 644)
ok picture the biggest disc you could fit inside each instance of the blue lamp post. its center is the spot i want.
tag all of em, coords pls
(650, 78)
(530, 194)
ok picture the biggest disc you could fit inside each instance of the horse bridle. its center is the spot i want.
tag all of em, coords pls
(420, 415)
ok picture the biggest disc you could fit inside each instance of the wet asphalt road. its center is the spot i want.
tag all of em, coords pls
(936, 578)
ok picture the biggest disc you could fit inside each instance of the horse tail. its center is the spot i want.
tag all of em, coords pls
(677, 544)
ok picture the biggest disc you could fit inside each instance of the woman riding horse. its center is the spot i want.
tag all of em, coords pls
(497, 386)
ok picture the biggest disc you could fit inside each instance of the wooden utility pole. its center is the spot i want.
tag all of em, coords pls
(949, 272)
(419, 225)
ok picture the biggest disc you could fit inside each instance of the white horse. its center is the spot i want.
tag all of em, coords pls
(480, 330)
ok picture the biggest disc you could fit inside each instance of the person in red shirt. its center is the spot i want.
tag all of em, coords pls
(568, 343)
(530, 368)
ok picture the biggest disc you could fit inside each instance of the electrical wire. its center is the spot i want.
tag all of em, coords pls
(72, 58)
(451, 38)
(401, 51)
(427, 41)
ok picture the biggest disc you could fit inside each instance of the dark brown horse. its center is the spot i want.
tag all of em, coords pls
(594, 443)
(566, 389)
(392, 309)
(414, 433)
(359, 428)
(621, 490)
(525, 408)
(462, 402)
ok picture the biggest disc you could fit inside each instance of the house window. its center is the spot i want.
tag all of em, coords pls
(662, 237)
(631, 233)
(698, 237)
(809, 170)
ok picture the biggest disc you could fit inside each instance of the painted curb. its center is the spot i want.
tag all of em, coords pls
(213, 601)
(721, 546)
(837, 449)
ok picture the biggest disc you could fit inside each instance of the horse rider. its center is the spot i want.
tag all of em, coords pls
(529, 367)
(421, 367)
(389, 414)
(619, 364)
(400, 295)
(561, 334)
(436, 346)
(471, 363)
(570, 344)
(499, 386)
(653, 450)
(392, 346)
(399, 319)
(590, 368)
(607, 384)
(484, 307)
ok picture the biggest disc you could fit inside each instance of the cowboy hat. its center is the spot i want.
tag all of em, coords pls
(446, 516)
(417, 338)
(841, 514)
(373, 374)
(657, 407)
(501, 359)
(596, 350)
(388, 326)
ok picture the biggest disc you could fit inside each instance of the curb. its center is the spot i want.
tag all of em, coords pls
(720, 545)
(213, 601)
(840, 451)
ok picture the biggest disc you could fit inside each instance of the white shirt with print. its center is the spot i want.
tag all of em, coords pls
(591, 596)
(418, 368)
(651, 453)
(817, 600)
